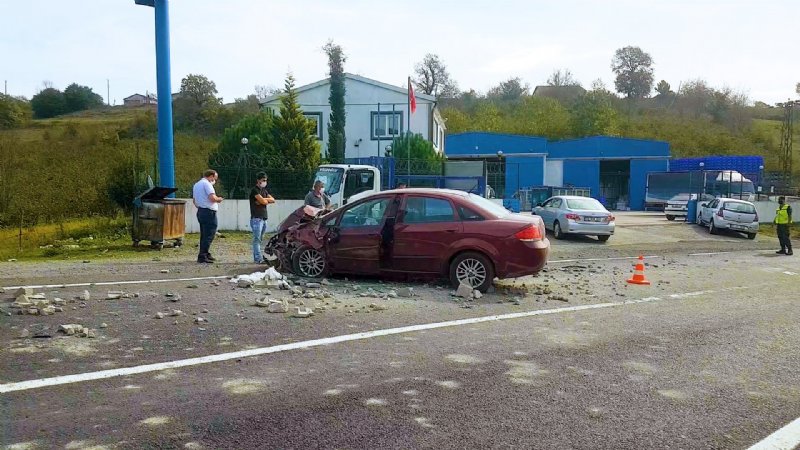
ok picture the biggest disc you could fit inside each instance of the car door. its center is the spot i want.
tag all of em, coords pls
(708, 211)
(545, 212)
(357, 247)
(426, 228)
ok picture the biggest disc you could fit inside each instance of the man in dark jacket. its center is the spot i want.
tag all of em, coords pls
(259, 199)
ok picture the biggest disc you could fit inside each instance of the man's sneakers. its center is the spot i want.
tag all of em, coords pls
(780, 252)
(789, 253)
(205, 259)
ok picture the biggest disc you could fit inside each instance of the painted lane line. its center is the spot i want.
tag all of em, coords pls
(709, 253)
(113, 283)
(786, 438)
(103, 374)
(616, 258)
(790, 273)
(690, 294)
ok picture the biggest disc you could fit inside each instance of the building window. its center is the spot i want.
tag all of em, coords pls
(386, 125)
(316, 117)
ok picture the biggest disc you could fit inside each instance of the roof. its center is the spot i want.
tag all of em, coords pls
(353, 77)
(139, 95)
(559, 92)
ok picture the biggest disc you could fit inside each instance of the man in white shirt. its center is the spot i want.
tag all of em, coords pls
(207, 203)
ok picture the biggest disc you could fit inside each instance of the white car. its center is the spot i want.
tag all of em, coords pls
(729, 214)
(677, 206)
(571, 214)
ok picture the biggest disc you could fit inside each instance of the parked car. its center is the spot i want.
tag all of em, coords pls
(678, 205)
(431, 232)
(570, 214)
(729, 214)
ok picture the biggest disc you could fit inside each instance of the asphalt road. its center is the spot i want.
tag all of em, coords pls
(705, 357)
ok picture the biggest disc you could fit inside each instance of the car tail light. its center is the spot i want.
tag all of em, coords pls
(719, 213)
(611, 218)
(529, 233)
(572, 216)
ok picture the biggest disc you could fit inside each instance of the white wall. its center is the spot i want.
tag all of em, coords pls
(766, 211)
(554, 173)
(234, 215)
(360, 100)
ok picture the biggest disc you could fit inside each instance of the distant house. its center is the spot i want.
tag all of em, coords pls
(376, 112)
(139, 99)
(564, 94)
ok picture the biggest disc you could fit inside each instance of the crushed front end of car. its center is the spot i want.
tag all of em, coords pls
(303, 229)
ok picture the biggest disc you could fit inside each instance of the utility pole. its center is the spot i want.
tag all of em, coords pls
(785, 155)
(108, 92)
(5, 88)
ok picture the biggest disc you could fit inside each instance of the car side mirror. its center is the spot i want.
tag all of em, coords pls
(538, 205)
(704, 205)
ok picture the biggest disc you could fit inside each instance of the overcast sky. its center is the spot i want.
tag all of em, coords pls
(748, 45)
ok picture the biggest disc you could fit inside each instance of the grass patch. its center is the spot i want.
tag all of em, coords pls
(771, 230)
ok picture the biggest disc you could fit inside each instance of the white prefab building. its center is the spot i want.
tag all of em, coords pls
(375, 113)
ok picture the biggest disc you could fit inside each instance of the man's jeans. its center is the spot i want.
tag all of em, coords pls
(259, 227)
(208, 228)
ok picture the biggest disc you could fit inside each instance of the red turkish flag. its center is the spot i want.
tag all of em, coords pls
(412, 101)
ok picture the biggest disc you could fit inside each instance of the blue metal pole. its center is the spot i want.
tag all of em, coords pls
(166, 158)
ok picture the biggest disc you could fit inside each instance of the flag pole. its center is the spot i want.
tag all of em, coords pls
(408, 134)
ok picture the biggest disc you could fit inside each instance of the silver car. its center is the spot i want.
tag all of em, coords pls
(569, 214)
(729, 214)
(677, 206)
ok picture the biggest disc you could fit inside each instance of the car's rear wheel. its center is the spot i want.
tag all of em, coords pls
(309, 262)
(751, 236)
(603, 237)
(711, 227)
(557, 233)
(473, 269)
(670, 217)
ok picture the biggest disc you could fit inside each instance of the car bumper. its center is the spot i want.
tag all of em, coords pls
(592, 229)
(528, 262)
(735, 226)
(675, 212)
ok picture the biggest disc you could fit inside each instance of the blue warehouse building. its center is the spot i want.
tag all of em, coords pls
(612, 169)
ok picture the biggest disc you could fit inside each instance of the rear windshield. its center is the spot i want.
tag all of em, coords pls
(744, 208)
(488, 205)
(587, 204)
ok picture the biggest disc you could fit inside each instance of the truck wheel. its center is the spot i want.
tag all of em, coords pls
(472, 268)
(309, 262)
(670, 218)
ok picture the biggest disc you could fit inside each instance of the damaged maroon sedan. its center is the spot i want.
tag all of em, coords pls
(425, 232)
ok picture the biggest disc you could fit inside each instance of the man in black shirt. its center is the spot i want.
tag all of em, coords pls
(259, 199)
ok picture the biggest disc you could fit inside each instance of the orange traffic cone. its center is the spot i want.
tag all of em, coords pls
(638, 273)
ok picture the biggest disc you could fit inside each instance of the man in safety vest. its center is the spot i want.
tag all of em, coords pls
(783, 220)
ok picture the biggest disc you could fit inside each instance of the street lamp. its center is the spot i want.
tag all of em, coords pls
(388, 150)
(760, 180)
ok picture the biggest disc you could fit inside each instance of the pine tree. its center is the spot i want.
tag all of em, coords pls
(336, 134)
(294, 135)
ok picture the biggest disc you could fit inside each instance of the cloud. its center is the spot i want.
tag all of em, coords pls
(526, 60)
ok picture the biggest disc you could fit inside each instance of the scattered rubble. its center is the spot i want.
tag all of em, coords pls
(464, 291)
(159, 315)
(172, 297)
(302, 312)
(76, 329)
(278, 306)
(405, 292)
(200, 320)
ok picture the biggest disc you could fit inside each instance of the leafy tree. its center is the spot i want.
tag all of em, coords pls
(457, 120)
(336, 133)
(196, 106)
(80, 98)
(14, 112)
(238, 164)
(424, 159)
(48, 103)
(293, 134)
(634, 70)
(432, 77)
(594, 115)
(562, 78)
(663, 88)
(511, 89)
(538, 116)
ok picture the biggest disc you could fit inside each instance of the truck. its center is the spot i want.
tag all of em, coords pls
(345, 183)
(672, 191)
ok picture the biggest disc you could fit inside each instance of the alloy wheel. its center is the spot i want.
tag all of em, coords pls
(471, 271)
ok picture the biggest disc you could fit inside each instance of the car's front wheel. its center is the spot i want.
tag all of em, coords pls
(603, 237)
(557, 233)
(473, 269)
(309, 262)
(670, 218)
(751, 236)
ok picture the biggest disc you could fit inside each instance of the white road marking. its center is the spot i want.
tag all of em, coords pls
(790, 273)
(126, 371)
(113, 283)
(708, 253)
(618, 258)
(786, 438)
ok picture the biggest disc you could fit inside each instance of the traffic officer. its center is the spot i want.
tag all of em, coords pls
(783, 220)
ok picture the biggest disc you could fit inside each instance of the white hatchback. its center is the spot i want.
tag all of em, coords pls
(729, 214)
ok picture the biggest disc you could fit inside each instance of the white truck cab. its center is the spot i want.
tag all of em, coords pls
(345, 183)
